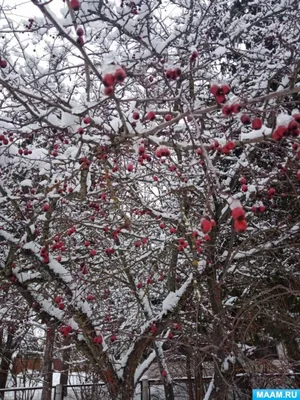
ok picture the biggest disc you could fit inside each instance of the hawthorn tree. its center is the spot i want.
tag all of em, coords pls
(150, 180)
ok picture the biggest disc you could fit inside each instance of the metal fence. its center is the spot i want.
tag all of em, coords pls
(147, 389)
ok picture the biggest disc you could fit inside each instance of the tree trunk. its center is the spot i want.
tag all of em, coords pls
(47, 366)
(65, 366)
(5, 362)
(189, 376)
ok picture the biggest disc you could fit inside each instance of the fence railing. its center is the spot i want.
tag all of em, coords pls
(147, 389)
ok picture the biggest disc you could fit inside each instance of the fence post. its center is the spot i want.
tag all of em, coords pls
(58, 392)
(145, 389)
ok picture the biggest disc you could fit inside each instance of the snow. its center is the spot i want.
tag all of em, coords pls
(26, 182)
(209, 390)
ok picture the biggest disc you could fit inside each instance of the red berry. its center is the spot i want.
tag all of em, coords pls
(240, 225)
(293, 125)
(215, 90)
(238, 213)
(87, 120)
(279, 132)
(98, 340)
(79, 31)
(271, 191)
(80, 40)
(178, 72)
(90, 297)
(230, 145)
(109, 91)
(225, 89)
(243, 180)
(80, 131)
(61, 306)
(136, 115)
(206, 225)
(235, 108)
(108, 80)
(297, 118)
(256, 123)
(58, 299)
(93, 253)
(245, 119)
(195, 54)
(162, 225)
(113, 338)
(244, 188)
(130, 167)
(220, 99)
(226, 110)
(46, 207)
(168, 117)
(151, 115)
(120, 75)
(3, 64)
(75, 5)
(170, 73)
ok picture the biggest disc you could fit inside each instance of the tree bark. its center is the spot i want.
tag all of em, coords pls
(47, 366)
(5, 362)
(64, 376)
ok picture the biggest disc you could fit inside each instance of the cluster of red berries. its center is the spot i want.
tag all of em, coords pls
(109, 80)
(65, 330)
(59, 301)
(143, 156)
(232, 109)
(162, 152)
(291, 130)
(239, 216)
(79, 33)
(98, 340)
(173, 73)
(5, 140)
(220, 92)
(44, 253)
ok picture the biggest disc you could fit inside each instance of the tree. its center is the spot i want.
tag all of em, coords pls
(150, 179)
